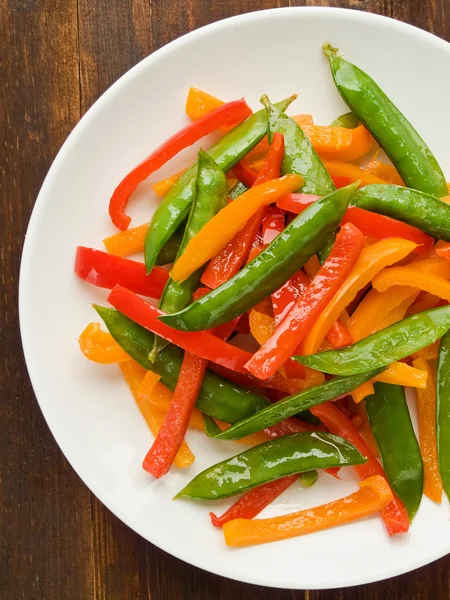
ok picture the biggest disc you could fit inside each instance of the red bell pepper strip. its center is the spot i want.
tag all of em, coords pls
(294, 327)
(285, 296)
(226, 114)
(106, 270)
(254, 501)
(272, 225)
(245, 174)
(444, 250)
(394, 514)
(380, 226)
(201, 343)
(228, 262)
(340, 181)
(338, 335)
(371, 224)
(161, 455)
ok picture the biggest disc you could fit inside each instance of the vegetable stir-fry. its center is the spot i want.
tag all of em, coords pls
(294, 240)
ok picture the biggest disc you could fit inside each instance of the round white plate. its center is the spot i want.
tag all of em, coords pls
(87, 406)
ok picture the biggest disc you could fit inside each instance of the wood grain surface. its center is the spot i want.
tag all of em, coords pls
(57, 542)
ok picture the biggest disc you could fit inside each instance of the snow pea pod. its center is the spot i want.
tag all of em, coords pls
(429, 214)
(218, 397)
(290, 406)
(170, 249)
(348, 120)
(299, 155)
(400, 453)
(443, 411)
(269, 461)
(210, 196)
(414, 160)
(288, 252)
(175, 206)
(388, 345)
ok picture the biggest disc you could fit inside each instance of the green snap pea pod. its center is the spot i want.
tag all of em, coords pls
(170, 249)
(386, 346)
(400, 453)
(309, 478)
(218, 397)
(176, 204)
(211, 195)
(443, 411)
(290, 406)
(269, 461)
(429, 214)
(299, 155)
(288, 252)
(237, 190)
(324, 252)
(348, 120)
(414, 160)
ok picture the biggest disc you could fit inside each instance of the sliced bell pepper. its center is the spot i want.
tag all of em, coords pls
(272, 225)
(231, 258)
(387, 172)
(426, 411)
(436, 265)
(339, 143)
(372, 259)
(161, 455)
(290, 333)
(424, 302)
(341, 169)
(444, 251)
(340, 181)
(374, 495)
(397, 373)
(164, 185)
(296, 203)
(410, 276)
(100, 347)
(226, 114)
(200, 343)
(394, 514)
(430, 352)
(134, 375)
(245, 174)
(285, 296)
(106, 270)
(199, 103)
(125, 243)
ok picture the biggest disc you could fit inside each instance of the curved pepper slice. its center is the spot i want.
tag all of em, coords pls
(288, 335)
(105, 270)
(372, 259)
(426, 412)
(278, 458)
(387, 172)
(393, 430)
(100, 347)
(410, 276)
(134, 375)
(374, 494)
(394, 514)
(380, 349)
(222, 227)
(339, 143)
(227, 114)
(338, 168)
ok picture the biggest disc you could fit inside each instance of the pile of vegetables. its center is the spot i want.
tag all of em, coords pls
(294, 240)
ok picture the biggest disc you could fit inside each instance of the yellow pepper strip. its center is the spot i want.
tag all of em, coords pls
(373, 495)
(429, 352)
(371, 260)
(434, 265)
(217, 232)
(426, 410)
(364, 390)
(125, 243)
(339, 143)
(341, 169)
(156, 395)
(373, 309)
(433, 284)
(425, 302)
(100, 347)
(397, 314)
(198, 103)
(162, 187)
(399, 373)
(387, 172)
(134, 375)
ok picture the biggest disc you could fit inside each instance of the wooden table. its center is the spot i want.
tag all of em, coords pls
(57, 541)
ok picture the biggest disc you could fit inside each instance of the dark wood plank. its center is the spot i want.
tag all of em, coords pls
(57, 540)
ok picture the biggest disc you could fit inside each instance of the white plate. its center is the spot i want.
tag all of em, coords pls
(87, 406)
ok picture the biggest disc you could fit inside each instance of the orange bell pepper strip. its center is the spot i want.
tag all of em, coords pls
(198, 103)
(426, 410)
(134, 375)
(161, 455)
(339, 143)
(387, 172)
(226, 114)
(342, 169)
(424, 302)
(374, 495)
(397, 373)
(411, 276)
(126, 243)
(294, 327)
(231, 258)
(164, 185)
(371, 260)
(429, 352)
(435, 265)
(394, 514)
(444, 251)
(100, 347)
(364, 390)
(210, 240)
